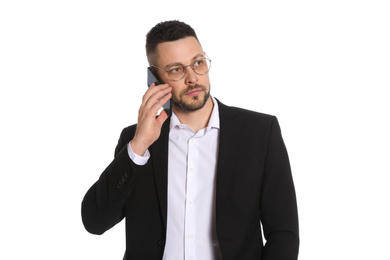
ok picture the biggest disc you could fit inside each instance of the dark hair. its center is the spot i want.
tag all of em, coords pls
(166, 32)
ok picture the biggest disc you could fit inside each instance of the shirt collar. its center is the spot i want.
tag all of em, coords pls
(213, 121)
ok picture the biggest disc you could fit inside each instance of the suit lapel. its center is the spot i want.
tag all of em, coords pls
(159, 156)
(228, 141)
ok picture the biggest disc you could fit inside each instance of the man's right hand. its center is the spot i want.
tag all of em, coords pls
(149, 127)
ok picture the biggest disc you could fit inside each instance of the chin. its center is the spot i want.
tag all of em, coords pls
(195, 104)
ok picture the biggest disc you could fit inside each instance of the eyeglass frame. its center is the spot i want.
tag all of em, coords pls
(185, 68)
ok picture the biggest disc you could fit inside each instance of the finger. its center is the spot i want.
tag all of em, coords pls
(152, 90)
(150, 111)
(157, 97)
(151, 97)
(153, 110)
(161, 118)
(156, 106)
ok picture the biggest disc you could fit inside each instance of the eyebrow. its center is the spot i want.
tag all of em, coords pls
(179, 63)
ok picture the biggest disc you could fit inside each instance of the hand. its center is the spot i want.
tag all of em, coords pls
(149, 127)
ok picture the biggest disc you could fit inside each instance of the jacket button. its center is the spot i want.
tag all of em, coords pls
(161, 242)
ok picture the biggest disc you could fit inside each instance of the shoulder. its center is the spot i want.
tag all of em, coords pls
(128, 132)
(245, 117)
(252, 130)
(129, 129)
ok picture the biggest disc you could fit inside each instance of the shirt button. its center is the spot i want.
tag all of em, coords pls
(189, 236)
(161, 242)
(191, 202)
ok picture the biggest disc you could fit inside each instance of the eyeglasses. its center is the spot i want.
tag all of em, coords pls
(176, 72)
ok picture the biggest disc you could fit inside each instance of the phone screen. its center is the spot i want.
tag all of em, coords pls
(152, 77)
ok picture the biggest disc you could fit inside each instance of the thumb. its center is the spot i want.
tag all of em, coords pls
(162, 117)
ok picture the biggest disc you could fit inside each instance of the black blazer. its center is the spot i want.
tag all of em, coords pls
(254, 183)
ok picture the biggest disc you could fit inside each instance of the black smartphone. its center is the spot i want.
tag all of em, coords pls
(152, 77)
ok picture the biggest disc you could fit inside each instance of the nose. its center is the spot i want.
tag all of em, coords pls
(191, 77)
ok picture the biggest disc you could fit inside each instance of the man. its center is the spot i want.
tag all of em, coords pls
(198, 184)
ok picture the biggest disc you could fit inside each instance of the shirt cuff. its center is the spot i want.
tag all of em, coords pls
(139, 160)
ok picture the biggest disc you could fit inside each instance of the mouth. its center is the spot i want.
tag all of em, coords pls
(193, 92)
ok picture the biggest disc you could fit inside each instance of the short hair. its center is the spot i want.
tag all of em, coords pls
(166, 32)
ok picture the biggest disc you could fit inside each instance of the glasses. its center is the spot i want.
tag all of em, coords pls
(176, 72)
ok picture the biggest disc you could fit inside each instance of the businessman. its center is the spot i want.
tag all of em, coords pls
(204, 183)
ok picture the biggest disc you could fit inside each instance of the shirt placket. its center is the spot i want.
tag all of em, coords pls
(190, 209)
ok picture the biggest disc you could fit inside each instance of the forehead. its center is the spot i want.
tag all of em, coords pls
(180, 51)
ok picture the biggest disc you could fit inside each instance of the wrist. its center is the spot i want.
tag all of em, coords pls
(138, 147)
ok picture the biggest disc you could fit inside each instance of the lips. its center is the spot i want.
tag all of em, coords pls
(193, 92)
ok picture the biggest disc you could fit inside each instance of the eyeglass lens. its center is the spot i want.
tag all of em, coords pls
(200, 66)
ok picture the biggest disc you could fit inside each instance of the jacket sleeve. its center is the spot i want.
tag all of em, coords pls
(103, 204)
(278, 205)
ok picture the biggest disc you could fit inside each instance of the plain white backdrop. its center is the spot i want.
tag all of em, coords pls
(72, 74)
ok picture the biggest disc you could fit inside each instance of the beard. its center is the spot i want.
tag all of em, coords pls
(197, 102)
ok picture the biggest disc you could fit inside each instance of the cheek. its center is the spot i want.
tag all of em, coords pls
(176, 90)
(175, 96)
(204, 81)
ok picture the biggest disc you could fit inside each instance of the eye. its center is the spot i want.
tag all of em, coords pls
(198, 63)
(175, 70)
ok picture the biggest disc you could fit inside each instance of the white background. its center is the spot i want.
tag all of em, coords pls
(72, 74)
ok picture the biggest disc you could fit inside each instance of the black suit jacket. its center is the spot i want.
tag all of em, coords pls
(254, 183)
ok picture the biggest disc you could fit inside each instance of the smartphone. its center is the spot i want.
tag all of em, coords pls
(153, 78)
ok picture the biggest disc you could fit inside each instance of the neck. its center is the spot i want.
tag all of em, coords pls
(198, 119)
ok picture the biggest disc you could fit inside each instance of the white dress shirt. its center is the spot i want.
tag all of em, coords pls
(192, 164)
